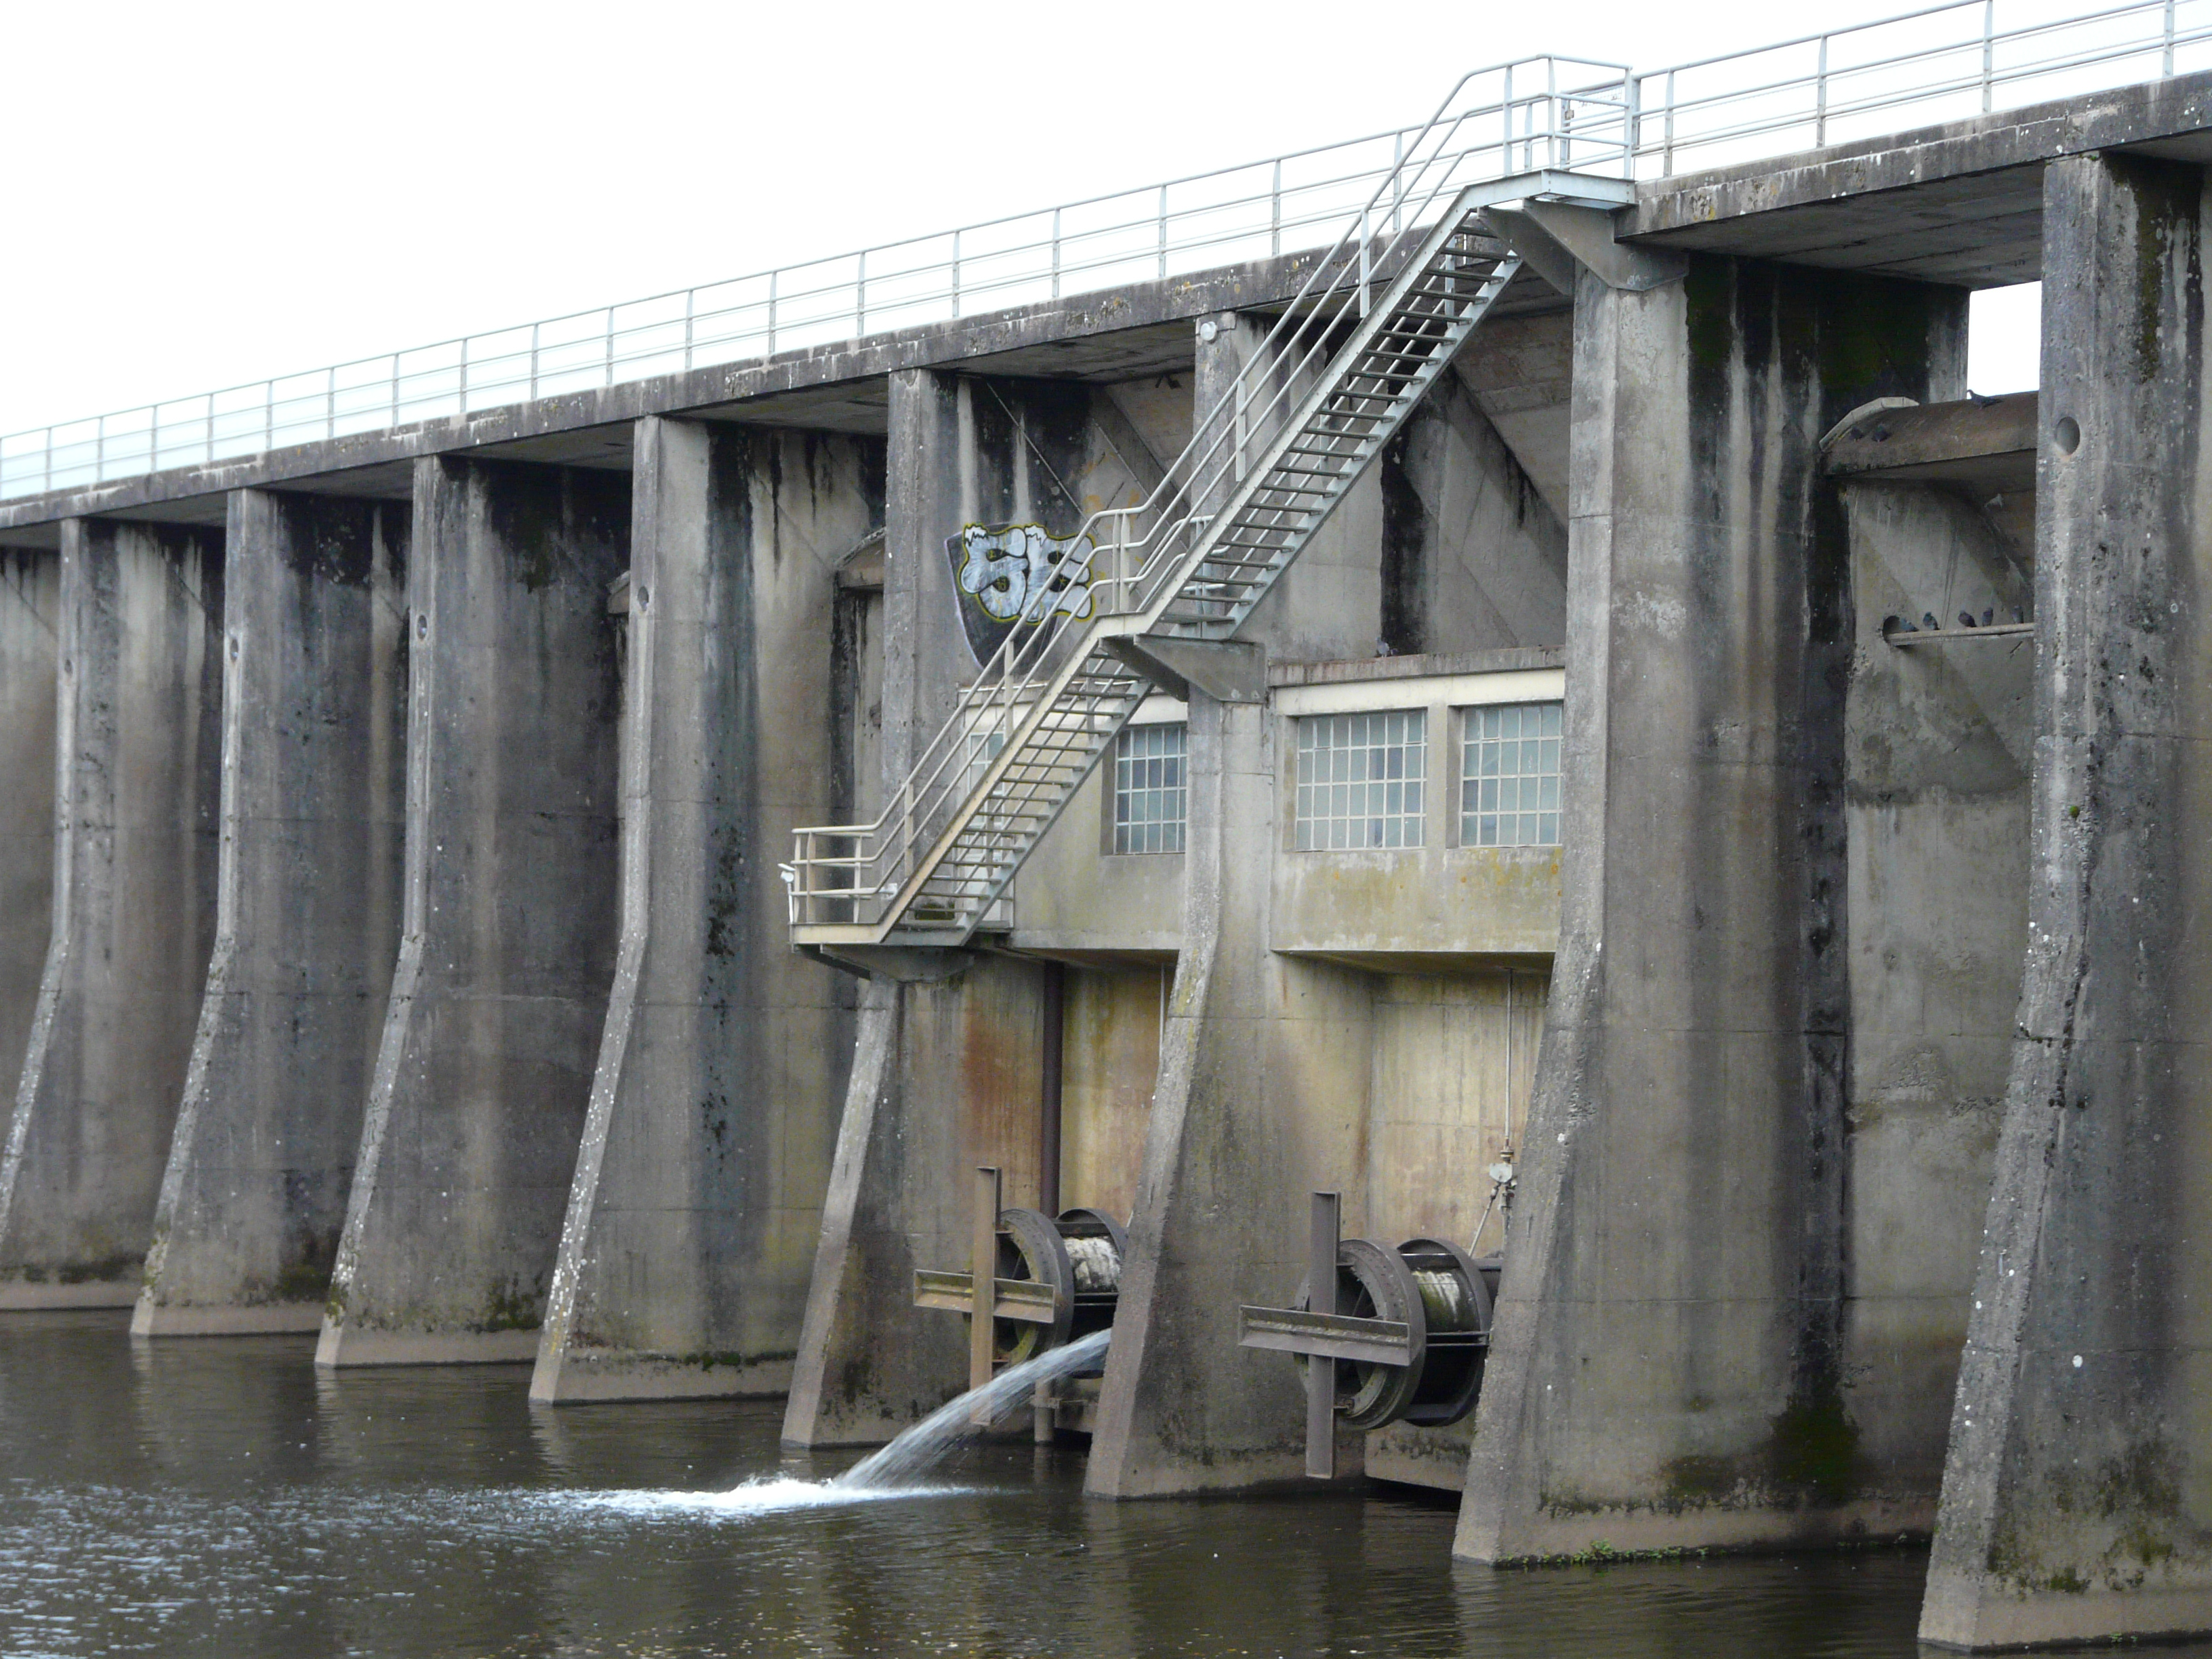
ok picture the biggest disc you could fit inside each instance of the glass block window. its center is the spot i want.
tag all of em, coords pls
(1149, 797)
(1509, 791)
(1362, 779)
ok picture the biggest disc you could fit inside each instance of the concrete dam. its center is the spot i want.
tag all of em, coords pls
(1456, 783)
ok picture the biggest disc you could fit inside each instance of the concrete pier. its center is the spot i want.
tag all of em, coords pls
(2077, 1497)
(30, 618)
(507, 930)
(1669, 1363)
(137, 748)
(693, 1219)
(307, 916)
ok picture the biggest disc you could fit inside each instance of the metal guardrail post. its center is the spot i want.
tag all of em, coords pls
(1163, 230)
(771, 312)
(1989, 52)
(50, 458)
(1667, 159)
(2165, 57)
(955, 274)
(331, 403)
(691, 303)
(1275, 213)
(268, 416)
(533, 362)
(210, 428)
(860, 297)
(464, 374)
(1056, 253)
(100, 450)
(1820, 95)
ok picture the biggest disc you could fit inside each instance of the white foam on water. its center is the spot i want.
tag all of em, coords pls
(767, 1494)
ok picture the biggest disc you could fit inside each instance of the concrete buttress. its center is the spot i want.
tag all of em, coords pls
(698, 1195)
(2077, 1495)
(30, 612)
(138, 750)
(307, 916)
(1669, 1365)
(508, 921)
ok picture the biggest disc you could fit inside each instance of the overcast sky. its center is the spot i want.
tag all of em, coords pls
(203, 195)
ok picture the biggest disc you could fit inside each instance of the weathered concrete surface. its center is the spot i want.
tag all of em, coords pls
(1261, 1098)
(1473, 557)
(138, 750)
(1958, 203)
(1669, 1364)
(307, 917)
(1938, 751)
(508, 925)
(697, 1197)
(946, 1075)
(30, 613)
(2077, 1499)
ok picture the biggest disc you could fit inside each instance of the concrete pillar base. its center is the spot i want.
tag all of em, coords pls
(152, 1319)
(343, 1345)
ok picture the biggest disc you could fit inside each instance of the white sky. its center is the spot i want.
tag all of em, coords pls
(204, 195)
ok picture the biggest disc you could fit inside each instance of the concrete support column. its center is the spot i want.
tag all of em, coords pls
(697, 1197)
(507, 929)
(137, 751)
(1668, 1365)
(308, 917)
(2077, 1499)
(1261, 1099)
(946, 1075)
(30, 612)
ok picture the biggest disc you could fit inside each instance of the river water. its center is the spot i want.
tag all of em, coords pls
(223, 1497)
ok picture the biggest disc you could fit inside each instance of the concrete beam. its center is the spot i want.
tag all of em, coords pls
(509, 925)
(307, 917)
(1979, 443)
(697, 1197)
(2077, 1500)
(1669, 1367)
(1228, 670)
(138, 747)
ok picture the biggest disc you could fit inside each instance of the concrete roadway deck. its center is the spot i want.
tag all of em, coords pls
(1959, 204)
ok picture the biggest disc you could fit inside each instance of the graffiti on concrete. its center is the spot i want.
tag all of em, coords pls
(1011, 575)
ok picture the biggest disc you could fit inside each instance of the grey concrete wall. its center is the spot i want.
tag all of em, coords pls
(947, 1075)
(1669, 1363)
(1261, 1098)
(697, 1197)
(30, 615)
(138, 750)
(307, 916)
(2077, 1497)
(509, 925)
(1939, 751)
(1473, 557)
(1109, 1063)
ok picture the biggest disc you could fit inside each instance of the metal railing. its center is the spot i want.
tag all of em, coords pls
(1940, 63)
(1046, 688)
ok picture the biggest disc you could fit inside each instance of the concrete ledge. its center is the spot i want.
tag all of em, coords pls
(153, 1319)
(95, 1293)
(580, 1377)
(342, 1347)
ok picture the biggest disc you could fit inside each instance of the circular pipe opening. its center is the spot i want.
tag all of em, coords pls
(2066, 434)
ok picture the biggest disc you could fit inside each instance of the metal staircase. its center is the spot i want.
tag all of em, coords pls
(1301, 421)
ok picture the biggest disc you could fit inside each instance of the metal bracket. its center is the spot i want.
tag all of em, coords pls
(1556, 237)
(1227, 671)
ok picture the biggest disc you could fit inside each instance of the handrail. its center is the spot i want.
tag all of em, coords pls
(893, 859)
(1934, 62)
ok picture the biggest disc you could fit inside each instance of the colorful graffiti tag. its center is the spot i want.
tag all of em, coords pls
(1011, 575)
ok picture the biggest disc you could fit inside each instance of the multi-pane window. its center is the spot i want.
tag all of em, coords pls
(1149, 794)
(1509, 791)
(1361, 779)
